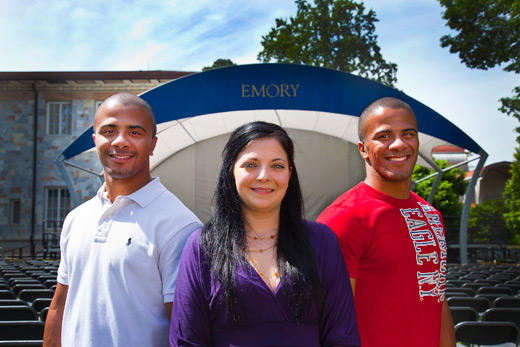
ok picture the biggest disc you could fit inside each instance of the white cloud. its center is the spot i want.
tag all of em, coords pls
(138, 59)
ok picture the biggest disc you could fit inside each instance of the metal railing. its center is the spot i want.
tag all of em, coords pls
(51, 239)
(490, 252)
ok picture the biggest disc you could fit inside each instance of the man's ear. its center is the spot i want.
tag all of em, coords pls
(362, 150)
(154, 143)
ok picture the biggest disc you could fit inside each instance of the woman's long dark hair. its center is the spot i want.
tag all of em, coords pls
(223, 237)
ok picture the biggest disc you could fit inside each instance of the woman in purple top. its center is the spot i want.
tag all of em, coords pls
(258, 274)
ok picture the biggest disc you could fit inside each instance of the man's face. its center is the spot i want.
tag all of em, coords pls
(391, 144)
(124, 142)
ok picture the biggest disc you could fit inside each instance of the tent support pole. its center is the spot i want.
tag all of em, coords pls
(463, 236)
(68, 181)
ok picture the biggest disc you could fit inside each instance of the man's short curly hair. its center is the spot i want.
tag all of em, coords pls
(387, 102)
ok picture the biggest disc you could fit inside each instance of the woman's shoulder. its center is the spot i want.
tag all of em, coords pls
(193, 242)
(319, 233)
(195, 236)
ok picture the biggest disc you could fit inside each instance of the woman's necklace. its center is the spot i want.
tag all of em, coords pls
(273, 236)
(275, 274)
(260, 238)
(262, 250)
(257, 237)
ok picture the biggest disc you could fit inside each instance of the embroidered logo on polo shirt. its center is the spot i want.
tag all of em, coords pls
(129, 242)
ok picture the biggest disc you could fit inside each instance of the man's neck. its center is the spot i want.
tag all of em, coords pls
(395, 189)
(123, 187)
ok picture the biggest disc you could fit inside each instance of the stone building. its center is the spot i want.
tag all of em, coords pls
(491, 182)
(40, 114)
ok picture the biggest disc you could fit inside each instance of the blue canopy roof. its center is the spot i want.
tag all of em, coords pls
(279, 86)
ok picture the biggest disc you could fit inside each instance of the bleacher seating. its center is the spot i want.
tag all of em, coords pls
(7, 294)
(30, 331)
(498, 314)
(25, 296)
(21, 286)
(484, 297)
(11, 302)
(463, 314)
(492, 291)
(43, 314)
(17, 312)
(486, 333)
(41, 303)
(507, 302)
(30, 295)
(479, 304)
(495, 290)
(467, 291)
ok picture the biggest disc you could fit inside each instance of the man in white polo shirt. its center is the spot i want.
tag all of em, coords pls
(120, 250)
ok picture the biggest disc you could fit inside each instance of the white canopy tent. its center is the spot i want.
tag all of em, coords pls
(187, 158)
(318, 107)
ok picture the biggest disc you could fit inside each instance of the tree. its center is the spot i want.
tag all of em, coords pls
(219, 63)
(335, 34)
(511, 107)
(512, 198)
(447, 197)
(488, 34)
(486, 223)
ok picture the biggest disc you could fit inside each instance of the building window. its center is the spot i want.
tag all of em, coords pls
(57, 205)
(59, 118)
(15, 211)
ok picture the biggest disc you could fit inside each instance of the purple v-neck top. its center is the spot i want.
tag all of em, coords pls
(199, 316)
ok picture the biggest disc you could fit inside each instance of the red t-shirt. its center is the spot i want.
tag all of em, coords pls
(396, 251)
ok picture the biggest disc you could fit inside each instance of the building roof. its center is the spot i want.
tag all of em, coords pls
(503, 167)
(81, 76)
(447, 149)
(71, 80)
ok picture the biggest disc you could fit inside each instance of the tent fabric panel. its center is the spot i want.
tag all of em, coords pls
(326, 165)
(335, 124)
(81, 144)
(341, 126)
(191, 174)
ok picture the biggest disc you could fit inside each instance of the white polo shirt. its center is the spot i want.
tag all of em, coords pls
(120, 262)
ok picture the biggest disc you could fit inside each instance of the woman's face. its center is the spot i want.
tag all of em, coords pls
(262, 175)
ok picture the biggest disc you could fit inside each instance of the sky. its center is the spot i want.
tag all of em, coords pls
(120, 35)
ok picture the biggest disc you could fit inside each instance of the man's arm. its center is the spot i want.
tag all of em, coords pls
(52, 335)
(168, 306)
(353, 285)
(447, 329)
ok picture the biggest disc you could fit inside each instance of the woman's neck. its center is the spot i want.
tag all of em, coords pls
(261, 225)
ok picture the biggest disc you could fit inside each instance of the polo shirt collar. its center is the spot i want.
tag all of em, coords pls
(143, 197)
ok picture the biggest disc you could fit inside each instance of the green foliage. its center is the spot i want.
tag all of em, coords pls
(488, 32)
(486, 223)
(449, 191)
(447, 197)
(219, 63)
(512, 198)
(335, 34)
(511, 107)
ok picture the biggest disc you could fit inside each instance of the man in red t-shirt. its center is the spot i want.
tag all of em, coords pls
(393, 241)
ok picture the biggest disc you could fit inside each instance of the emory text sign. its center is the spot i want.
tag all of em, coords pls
(270, 90)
